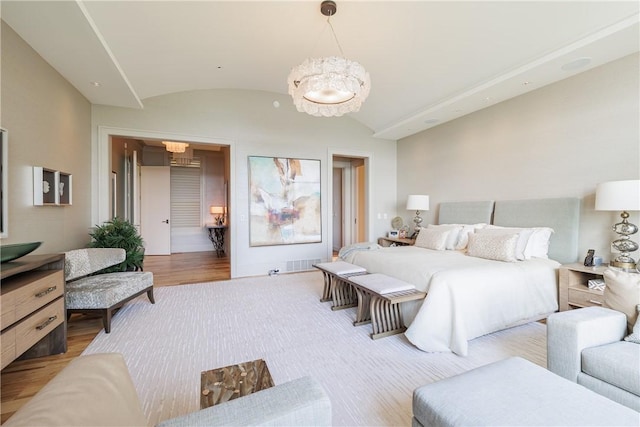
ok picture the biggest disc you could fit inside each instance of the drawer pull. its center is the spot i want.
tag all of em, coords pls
(46, 291)
(592, 301)
(46, 323)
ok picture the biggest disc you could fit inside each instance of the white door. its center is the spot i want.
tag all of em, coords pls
(155, 209)
(337, 209)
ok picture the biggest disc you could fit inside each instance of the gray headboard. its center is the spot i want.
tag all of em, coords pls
(563, 215)
(465, 212)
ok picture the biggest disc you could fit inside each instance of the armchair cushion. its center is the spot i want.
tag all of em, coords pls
(617, 364)
(622, 293)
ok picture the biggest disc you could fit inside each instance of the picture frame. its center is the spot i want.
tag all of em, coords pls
(4, 184)
(284, 201)
(393, 233)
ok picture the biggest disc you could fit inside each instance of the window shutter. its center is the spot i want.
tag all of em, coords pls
(185, 197)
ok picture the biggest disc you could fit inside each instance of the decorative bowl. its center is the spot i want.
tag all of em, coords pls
(17, 250)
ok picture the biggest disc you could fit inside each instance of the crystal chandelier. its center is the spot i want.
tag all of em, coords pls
(175, 147)
(185, 158)
(330, 86)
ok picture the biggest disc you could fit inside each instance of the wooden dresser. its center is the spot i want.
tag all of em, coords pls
(32, 307)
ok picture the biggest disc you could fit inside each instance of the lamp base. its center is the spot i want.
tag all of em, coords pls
(624, 265)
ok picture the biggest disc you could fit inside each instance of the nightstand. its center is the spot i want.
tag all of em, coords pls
(574, 291)
(395, 241)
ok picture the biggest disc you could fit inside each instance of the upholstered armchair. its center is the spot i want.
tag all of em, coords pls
(599, 347)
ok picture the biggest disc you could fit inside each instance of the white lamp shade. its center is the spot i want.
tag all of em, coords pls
(416, 202)
(618, 196)
(216, 209)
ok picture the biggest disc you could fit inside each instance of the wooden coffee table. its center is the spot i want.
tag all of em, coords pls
(228, 383)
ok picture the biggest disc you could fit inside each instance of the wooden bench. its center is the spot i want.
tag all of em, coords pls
(336, 286)
(379, 299)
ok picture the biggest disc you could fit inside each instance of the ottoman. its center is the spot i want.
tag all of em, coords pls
(515, 392)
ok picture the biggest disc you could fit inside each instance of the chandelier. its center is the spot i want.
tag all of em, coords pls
(183, 159)
(175, 147)
(330, 86)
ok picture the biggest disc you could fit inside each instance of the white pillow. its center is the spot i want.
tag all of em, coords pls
(432, 238)
(452, 238)
(499, 247)
(521, 243)
(538, 244)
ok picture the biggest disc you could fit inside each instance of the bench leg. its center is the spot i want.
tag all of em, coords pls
(106, 320)
(326, 292)
(386, 318)
(343, 294)
(363, 314)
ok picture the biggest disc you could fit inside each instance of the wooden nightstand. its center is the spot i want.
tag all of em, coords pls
(574, 290)
(395, 241)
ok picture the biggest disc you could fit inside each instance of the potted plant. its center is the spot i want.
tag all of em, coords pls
(119, 233)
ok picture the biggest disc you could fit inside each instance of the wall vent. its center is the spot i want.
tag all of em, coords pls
(301, 264)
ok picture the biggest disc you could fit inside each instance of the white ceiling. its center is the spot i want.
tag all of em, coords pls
(429, 61)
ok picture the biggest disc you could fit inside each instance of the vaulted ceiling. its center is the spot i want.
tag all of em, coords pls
(429, 61)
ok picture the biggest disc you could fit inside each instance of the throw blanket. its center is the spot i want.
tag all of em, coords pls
(365, 246)
(466, 297)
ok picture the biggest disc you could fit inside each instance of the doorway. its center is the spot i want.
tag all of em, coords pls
(349, 201)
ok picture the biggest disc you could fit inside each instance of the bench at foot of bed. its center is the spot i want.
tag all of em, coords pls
(336, 287)
(379, 299)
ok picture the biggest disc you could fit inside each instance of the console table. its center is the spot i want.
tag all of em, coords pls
(32, 307)
(216, 235)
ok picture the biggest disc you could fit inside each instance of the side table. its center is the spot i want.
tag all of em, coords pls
(216, 235)
(574, 290)
(228, 383)
(395, 241)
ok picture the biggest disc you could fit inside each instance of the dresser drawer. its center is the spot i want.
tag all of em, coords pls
(33, 328)
(585, 298)
(28, 293)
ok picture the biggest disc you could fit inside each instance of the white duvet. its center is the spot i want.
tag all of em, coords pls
(466, 297)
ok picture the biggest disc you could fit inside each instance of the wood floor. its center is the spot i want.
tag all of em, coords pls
(23, 378)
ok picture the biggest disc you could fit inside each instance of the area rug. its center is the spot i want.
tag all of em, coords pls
(194, 328)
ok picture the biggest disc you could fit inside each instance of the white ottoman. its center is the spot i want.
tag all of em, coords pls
(515, 392)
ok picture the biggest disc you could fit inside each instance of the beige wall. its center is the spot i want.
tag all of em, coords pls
(49, 125)
(558, 141)
(249, 123)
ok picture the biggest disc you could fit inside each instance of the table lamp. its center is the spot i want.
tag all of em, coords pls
(416, 202)
(218, 213)
(621, 196)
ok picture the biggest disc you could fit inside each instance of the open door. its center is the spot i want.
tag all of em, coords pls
(155, 209)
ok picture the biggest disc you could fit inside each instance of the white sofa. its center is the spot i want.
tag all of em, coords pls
(586, 346)
(96, 390)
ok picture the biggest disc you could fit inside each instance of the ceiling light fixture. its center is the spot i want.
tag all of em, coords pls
(175, 147)
(330, 86)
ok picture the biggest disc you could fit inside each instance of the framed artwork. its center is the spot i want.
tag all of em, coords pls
(284, 201)
(4, 197)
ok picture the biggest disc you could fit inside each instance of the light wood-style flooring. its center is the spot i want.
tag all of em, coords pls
(23, 378)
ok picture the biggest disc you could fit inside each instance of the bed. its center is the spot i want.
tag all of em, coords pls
(470, 296)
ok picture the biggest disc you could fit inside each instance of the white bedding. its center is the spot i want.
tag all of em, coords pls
(466, 297)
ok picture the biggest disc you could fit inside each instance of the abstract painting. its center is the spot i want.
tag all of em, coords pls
(284, 201)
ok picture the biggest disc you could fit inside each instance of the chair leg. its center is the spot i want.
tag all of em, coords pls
(150, 295)
(106, 320)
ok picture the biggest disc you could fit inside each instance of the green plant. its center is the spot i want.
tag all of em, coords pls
(119, 233)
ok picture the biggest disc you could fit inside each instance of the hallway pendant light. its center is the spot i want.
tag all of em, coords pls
(175, 147)
(330, 86)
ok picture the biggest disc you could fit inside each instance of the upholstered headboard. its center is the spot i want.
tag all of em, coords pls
(465, 212)
(563, 215)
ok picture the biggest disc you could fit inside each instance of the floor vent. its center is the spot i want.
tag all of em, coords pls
(302, 264)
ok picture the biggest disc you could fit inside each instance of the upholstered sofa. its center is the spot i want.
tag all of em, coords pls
(96, 390)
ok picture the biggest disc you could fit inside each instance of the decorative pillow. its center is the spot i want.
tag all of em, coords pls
(432, 238)
(622, 293)
(499, 247)
(522, 233)
(634, 336)
(538, 244)
(463, 236)
(452, 238)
